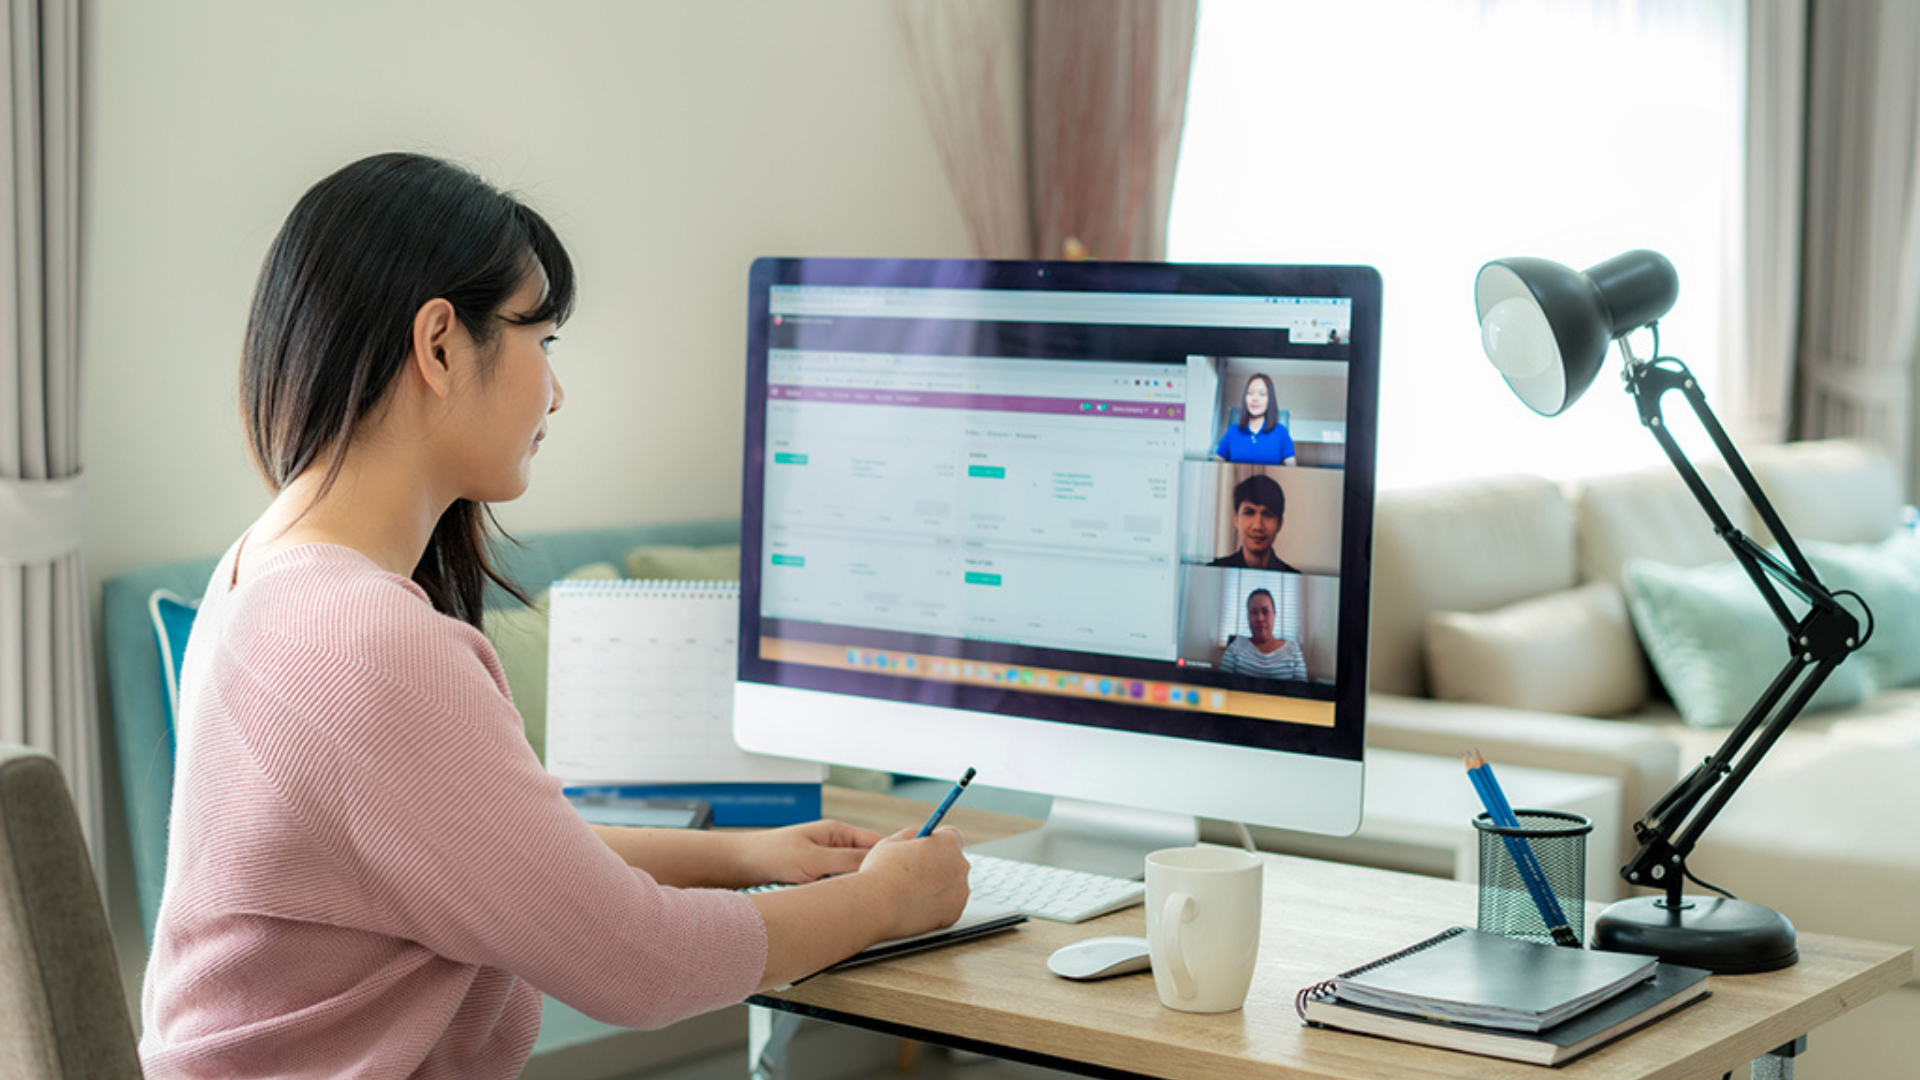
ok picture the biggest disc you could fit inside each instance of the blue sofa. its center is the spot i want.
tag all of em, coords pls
(137, 696)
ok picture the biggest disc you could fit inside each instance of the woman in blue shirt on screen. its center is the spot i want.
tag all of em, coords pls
(1259, 438)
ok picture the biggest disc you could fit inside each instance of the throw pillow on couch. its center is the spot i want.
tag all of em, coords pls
(1716, 644)
(1570, 652)
(1887, 575)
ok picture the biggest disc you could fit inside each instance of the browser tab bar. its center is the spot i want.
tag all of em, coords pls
(1310, 317)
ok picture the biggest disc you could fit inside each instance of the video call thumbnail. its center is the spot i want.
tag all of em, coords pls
(1261, 514)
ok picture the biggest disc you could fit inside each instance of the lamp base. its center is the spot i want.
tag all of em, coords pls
(1726, 937)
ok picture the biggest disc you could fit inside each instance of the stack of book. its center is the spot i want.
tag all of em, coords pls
(1503, 997)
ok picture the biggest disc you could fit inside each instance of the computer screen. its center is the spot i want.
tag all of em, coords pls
(1099, 530)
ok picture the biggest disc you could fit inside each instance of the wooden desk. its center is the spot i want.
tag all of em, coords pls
(996, 995)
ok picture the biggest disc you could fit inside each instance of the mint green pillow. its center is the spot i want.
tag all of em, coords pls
(1715, 643)
(1887, 576)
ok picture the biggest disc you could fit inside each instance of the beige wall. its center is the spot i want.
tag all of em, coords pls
(669, 142)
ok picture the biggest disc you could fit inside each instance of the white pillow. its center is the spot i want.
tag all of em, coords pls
(1568, 652)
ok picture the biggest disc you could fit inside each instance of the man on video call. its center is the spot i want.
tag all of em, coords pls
(1259, 509)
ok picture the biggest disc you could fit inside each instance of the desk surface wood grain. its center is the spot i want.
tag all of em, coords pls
(1321, 918)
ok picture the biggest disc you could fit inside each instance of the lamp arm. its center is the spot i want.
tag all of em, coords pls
(1670, 830)
(1817, 642)
(1648, 383)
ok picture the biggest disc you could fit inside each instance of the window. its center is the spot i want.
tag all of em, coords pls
(1427, 137)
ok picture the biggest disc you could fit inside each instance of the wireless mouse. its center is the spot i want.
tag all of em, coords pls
(1099, 958)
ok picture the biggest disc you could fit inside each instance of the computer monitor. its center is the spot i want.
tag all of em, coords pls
(1028, 517)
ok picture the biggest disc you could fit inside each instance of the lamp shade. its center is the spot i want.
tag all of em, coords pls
(1547, 327)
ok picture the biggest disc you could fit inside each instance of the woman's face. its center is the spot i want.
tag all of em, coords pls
(1260, 617)
(1256, 398)
(507, 401)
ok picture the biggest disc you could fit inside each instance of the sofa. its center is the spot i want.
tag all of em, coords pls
(1602, 627)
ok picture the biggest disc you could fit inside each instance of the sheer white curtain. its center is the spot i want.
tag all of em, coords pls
(1426, 137)
(46, 680)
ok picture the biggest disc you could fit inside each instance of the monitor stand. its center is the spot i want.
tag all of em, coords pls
(1097, 838)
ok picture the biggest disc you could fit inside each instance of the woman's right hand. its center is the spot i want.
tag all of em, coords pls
(927, 877)
(905, 885)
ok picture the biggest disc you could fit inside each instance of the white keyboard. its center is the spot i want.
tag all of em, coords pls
(1049, 892)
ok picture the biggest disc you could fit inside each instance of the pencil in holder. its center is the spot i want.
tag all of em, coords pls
(1533, 873)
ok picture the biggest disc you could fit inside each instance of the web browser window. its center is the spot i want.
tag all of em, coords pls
(1132, 497)
(1029, 502)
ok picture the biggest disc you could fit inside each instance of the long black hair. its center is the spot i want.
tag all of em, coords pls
(332, 319)
(1268, 419)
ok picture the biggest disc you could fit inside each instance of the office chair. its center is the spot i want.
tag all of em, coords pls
(63, 1012)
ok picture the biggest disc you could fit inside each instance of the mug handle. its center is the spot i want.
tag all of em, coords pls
(1178, 909)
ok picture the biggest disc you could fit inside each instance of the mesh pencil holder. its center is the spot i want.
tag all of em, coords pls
(1512, 892)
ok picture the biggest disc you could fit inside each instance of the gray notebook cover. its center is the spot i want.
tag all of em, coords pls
(1467, 976)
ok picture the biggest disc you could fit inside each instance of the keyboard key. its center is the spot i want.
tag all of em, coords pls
(1050, 892)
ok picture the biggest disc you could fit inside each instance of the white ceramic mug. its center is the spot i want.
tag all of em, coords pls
(1203, 926)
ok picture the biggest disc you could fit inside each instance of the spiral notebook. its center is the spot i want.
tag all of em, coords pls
(1464, 975)
(1671, 989)
(640, 678)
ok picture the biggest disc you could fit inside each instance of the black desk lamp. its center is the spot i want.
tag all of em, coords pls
(1547, 328)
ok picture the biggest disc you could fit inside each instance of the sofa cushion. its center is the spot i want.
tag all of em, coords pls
(1715, 643)
(1817, 833)
(684, 562)
(1652, 514)
(1642, 758)
(1836, 490)
(1887, 576)
(1566, 652)
(1472, 546)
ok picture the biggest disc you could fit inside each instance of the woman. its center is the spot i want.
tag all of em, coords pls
(1259, 438)
(1260, 653)
(368, 871)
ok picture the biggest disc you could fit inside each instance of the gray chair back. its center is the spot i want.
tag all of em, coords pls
(63, 1011)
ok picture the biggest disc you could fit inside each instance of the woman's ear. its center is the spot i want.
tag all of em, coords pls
(434, 328)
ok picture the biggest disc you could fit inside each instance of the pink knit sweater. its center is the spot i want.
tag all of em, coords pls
(369, 874)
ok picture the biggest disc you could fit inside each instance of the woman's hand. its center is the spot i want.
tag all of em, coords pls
(905, 885)
(928, 878)
(725, 859)
(797, 854)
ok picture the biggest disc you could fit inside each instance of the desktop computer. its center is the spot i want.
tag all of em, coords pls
(1100, 531)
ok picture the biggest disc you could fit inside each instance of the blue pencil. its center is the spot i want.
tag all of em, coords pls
(946, 804)
(1524, 860)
